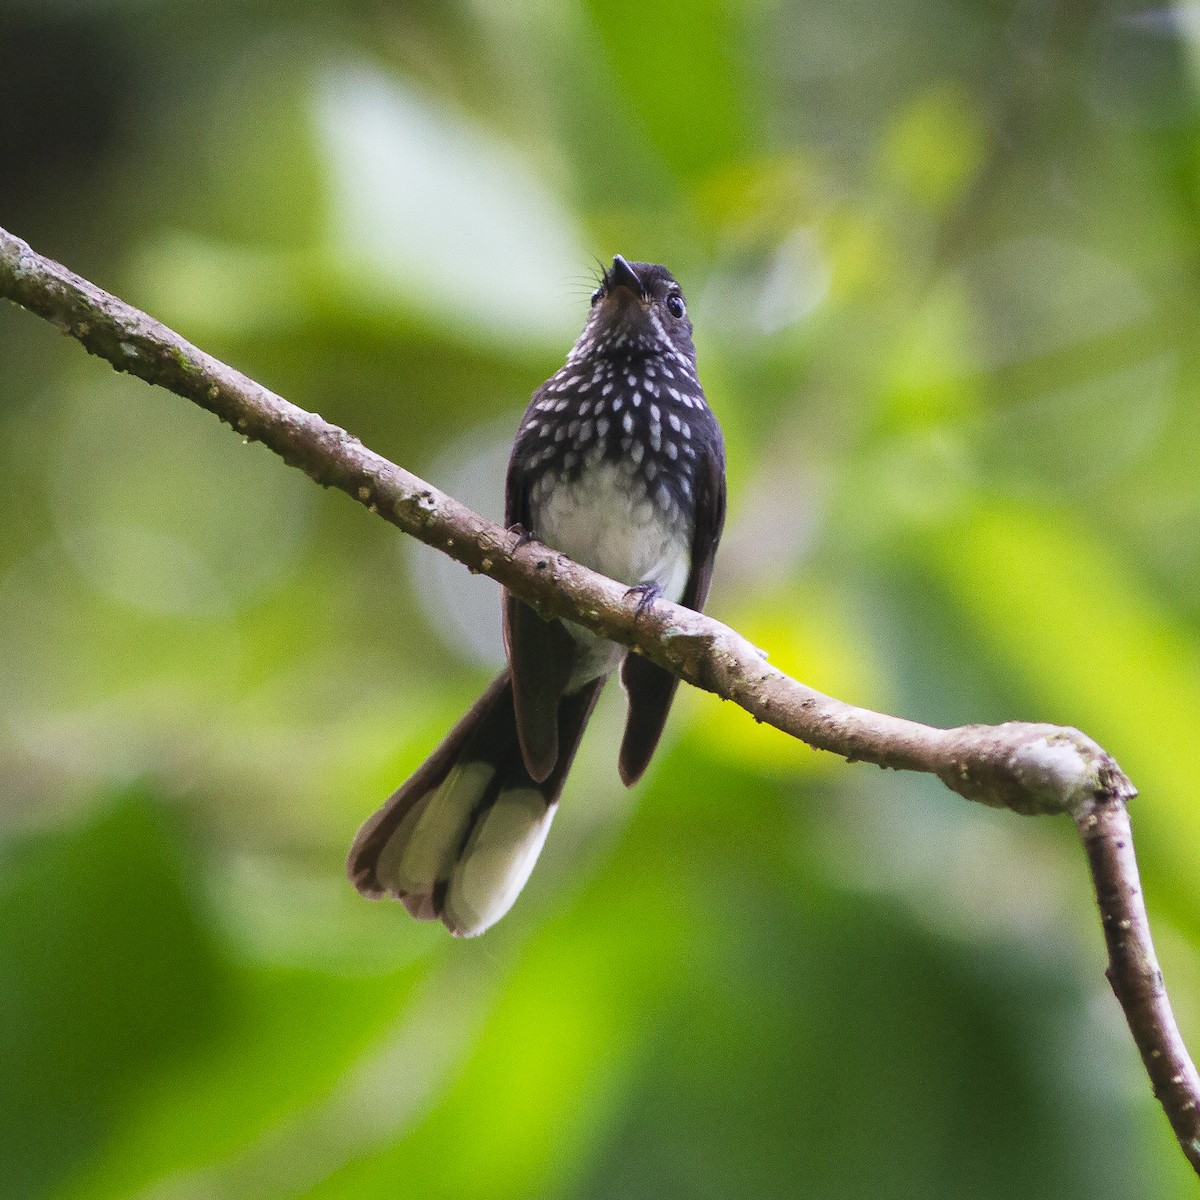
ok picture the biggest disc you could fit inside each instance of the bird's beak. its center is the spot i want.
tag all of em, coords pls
(621, 274)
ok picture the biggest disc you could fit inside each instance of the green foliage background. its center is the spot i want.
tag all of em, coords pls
(942, 259)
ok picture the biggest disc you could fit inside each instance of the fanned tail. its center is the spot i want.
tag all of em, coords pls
(458, 839)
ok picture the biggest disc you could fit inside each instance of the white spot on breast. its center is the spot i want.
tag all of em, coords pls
(672, 450)
(674, 420)
(636, 399)
(655, 413)
(627, 421)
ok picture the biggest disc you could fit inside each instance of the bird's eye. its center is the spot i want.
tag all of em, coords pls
(597, 294)
(675, 305)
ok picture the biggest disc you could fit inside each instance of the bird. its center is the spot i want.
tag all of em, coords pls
(619, 463)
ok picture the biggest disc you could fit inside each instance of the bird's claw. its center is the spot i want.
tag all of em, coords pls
(524, 536)
(646, 593)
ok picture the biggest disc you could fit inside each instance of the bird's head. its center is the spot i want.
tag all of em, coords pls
(638, 310)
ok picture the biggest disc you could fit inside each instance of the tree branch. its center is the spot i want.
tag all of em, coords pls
(1029, 768)
(1133, 969)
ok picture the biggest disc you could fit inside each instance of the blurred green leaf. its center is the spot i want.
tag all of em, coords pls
(1067, 617)
(427, 208)
(108, 977)
(683, 75)
(292, 1035)
(547, 1064)
(936, 146)
(825, 1038)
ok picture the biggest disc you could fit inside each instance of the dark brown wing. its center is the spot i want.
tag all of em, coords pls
(650, 688)
(541, 654)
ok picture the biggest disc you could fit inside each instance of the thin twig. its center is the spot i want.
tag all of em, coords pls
(1029, 768)
(1133, 969)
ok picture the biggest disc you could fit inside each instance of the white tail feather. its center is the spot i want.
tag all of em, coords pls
(496, 863)
(483, 869)
(421, 852)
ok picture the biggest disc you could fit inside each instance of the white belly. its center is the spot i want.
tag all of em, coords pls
(606, 521)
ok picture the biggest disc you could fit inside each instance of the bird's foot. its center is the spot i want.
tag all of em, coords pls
(524, 536)
(646, 593)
